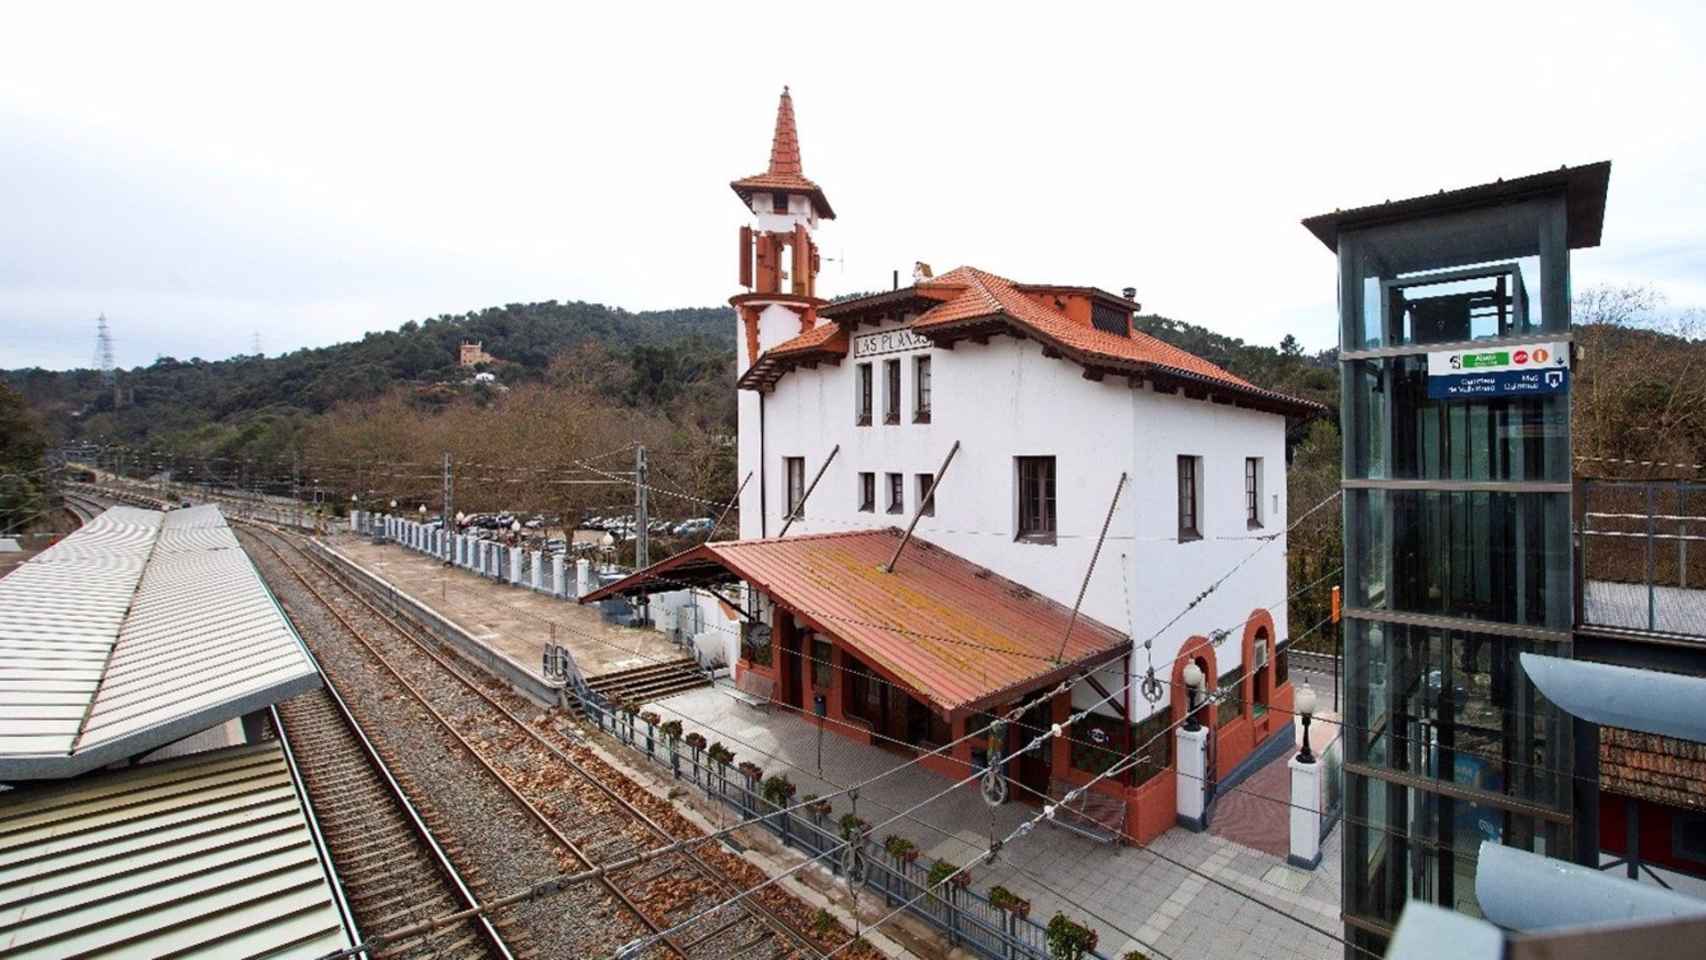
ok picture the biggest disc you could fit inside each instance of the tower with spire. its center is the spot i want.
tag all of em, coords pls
(778, 258)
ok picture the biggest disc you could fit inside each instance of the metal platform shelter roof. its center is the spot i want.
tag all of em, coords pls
(139, 629)
(210, 855)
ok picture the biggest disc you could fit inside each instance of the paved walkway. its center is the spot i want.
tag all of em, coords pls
(1183, 915)
(1625, 605)
(513, 620)
(1256, 812)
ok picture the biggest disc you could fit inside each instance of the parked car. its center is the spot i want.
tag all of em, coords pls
(696, 527)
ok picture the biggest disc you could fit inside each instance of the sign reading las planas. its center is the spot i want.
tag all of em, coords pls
(1534, 368)
(888, 341)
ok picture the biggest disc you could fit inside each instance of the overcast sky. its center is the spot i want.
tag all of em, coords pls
(201, 174)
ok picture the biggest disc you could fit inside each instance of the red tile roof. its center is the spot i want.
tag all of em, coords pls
(970, 297)
(956, 634)
(786, 174)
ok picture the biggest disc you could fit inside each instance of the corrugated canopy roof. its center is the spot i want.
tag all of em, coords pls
(205, 856)
(138, 629)
(953, 632)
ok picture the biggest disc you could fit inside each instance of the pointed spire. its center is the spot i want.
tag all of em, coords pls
(785, 148)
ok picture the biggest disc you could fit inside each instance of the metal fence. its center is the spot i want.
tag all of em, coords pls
(967, 919)
(1642, 555)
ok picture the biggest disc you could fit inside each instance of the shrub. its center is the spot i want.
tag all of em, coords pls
(1135, 955)
(853, 827)
(778, 790)
(720, 753)
(1004, 899)
(672, 729)
(696, 740)
(752, 770)
(1068, 940)
(941, 870)
(651, 718)
(900, 848)
(822, 922)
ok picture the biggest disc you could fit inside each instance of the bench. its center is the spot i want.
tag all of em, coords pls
(753, 689)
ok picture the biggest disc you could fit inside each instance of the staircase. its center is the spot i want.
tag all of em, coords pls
(1095, 815)
(654, 681)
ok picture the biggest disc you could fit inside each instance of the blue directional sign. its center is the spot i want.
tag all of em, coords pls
(1539, 368)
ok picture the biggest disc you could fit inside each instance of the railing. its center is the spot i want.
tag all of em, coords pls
(967, 919)
(1332, 784)
(1641, 555)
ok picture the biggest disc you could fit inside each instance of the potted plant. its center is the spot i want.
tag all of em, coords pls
(816, 808)
(672, 736)
(671, 731)
(651, 729)
(1068, 940)
(901, 849)
(778, 790)
(753, 773)
(854, 828)
(943, 871)
(1002, 898)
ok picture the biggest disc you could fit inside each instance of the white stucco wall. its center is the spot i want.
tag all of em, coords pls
(1004, 400)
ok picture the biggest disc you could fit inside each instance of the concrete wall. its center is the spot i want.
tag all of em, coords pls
(1003, 400)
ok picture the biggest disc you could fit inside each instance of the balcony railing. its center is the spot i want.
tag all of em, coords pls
(1641, 556)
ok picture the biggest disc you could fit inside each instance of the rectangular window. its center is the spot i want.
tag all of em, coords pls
(1231, 696)
(921, 390)
(1253, 492)
(862, 396)
(1259, 675)
(926, 498)
(1036, 498)
(1282, 665)
(897, 494)
(794, 468)
(867, 493)
(755, 643)
(779, 202)
(891, 391)
(1190, 490)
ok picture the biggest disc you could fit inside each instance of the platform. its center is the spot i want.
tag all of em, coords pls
(1627, 606)
(515, 621)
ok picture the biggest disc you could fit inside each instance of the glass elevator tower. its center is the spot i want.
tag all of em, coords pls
(1455, 362)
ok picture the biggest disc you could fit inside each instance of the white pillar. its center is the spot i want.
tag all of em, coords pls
(355, 521)
(1305, 814)
(557, 583)
(538, 569)
(1192, 757)
(515, 565)
(583, 578)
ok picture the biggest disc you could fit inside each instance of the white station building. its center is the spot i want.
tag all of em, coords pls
(1039, 416)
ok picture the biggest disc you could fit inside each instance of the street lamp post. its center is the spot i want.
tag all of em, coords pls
(1306, 709)
(1193, 686)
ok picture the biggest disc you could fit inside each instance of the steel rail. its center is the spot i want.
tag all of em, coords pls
(538, 815)
(418, 826)
(759, 912)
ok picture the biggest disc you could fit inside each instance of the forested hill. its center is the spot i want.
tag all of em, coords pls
(173, 397)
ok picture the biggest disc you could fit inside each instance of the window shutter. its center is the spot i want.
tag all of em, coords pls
(746, 257)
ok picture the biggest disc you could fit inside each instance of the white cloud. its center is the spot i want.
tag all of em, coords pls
(201, 173)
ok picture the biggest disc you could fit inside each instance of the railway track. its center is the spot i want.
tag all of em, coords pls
(393, 869)
(591, 812)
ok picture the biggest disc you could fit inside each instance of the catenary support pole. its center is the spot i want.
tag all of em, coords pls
(1085, 585)
(929, 497)
(794, 510)
(730, 506)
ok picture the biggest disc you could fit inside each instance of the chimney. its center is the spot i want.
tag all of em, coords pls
(1130, 293)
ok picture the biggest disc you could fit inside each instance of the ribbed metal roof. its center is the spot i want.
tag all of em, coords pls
(205, 856)
(953, 632)
(137, 630)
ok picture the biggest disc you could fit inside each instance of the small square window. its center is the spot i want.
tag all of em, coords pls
(867, 493)
(926, 496)
(779, 202)
(897, 493)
